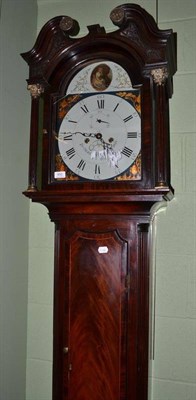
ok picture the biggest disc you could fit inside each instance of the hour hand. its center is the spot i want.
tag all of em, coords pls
(101, 121)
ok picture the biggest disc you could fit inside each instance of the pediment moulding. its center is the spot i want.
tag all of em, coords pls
(151, 49)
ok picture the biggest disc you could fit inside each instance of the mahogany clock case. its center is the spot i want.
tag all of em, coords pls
(102, 226)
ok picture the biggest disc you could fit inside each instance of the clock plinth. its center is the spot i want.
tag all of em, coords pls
(100, 161)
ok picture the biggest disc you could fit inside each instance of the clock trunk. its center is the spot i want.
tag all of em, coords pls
(101, 308)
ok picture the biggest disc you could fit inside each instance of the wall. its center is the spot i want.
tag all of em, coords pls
(174, 368)
(14, 208)
(175, 330)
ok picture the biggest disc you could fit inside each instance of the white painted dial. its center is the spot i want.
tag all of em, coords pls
(100, 136)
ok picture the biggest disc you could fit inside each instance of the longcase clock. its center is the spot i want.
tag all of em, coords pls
(99, 161)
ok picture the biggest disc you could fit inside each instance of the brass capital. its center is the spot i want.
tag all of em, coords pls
(36, 90)
(159, 75)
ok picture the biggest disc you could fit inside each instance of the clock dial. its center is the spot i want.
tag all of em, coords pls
(100, 136)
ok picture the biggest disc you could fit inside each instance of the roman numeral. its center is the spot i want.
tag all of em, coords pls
(100, 103)
(81, 165)
(127, 152)
(116, 107)
(67, 136)
(128, 118)
(97, 169)
(85, 109)
(131, 135)
(71, 153)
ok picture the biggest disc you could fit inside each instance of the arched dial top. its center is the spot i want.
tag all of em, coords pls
(100, 76)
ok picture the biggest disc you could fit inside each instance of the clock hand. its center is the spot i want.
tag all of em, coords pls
(95, 135)
(98, 136)
(104, 122)
(68, 135)
(85, 134)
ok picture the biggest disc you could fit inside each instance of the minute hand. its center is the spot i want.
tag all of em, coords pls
(85, 134)
(98, 135)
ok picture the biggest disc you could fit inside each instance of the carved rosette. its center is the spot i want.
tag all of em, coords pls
(36, 90)
(69, 26)
(159, 75)
(117, 16)
(66, 24)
